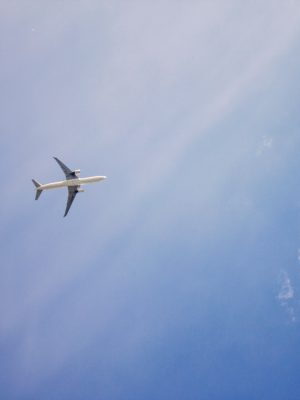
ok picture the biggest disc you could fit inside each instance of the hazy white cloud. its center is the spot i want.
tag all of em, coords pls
(265, 144)
(286, 290)
(286, 294)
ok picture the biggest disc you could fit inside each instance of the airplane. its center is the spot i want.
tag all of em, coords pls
(72, 182)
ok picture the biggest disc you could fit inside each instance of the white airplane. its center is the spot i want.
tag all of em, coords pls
(72, 182)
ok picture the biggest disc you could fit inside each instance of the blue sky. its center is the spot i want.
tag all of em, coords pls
(179, 276)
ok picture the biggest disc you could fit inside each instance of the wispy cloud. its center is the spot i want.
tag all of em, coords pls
(265, 144)
(286, 290)
(286, 294)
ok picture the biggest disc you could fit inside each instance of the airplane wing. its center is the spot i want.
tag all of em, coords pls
(69, 173)
(72, 191)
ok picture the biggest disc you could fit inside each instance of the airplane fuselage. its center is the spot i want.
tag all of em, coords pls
(71, 182)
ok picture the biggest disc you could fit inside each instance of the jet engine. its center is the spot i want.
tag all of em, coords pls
(80, 190)
(77, 171)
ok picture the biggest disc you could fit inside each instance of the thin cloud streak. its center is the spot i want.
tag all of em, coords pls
(286, 290)
(286, 294)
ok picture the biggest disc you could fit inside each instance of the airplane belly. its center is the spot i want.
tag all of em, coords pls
(53, 185)
(91, 179)
(72, 182)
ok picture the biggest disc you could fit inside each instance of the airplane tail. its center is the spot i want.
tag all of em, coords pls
(38, 190)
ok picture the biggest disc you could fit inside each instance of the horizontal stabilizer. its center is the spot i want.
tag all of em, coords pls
(38, 191)
(36, 184)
